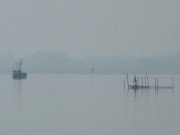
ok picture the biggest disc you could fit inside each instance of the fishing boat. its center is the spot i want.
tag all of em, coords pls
(17, 73)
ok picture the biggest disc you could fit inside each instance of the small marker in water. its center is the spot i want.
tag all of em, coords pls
(92, 70)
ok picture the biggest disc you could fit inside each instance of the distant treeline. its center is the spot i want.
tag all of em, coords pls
(60, 63)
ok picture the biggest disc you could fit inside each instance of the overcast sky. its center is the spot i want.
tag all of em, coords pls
(83, 28)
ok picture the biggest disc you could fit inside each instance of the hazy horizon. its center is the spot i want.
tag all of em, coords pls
(62, 63)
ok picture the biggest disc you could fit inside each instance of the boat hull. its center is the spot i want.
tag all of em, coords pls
(17, 74)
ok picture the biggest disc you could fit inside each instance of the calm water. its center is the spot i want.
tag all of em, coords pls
(87, 105)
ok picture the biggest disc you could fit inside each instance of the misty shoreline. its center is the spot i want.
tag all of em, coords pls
(60, 63)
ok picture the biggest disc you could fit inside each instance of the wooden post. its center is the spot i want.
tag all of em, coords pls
(173, 82)
(142, 82)
(156, 83)
(147, 80)
(127, 81)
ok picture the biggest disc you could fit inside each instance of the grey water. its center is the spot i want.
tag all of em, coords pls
(87, 105)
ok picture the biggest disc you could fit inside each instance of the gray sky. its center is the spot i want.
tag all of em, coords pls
(83, 28)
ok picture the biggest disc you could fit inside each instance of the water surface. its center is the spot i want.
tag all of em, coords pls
(87, 105)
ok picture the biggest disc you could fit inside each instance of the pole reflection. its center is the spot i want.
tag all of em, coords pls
(17, 90)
